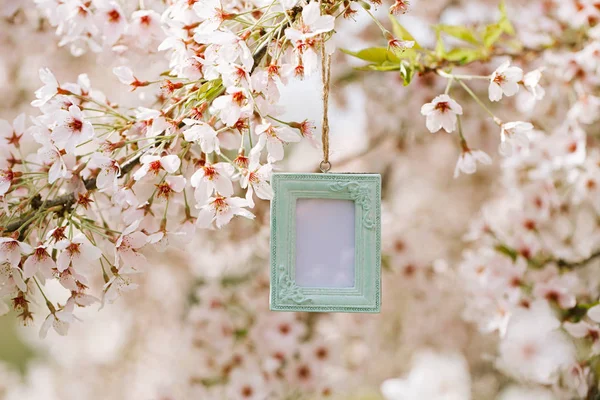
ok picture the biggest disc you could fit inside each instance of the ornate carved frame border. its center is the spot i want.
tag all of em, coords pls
(365, 191)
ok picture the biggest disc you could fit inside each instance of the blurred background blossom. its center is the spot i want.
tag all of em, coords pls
(487, 278)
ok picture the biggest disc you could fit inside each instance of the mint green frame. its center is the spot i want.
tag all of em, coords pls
(365, 191)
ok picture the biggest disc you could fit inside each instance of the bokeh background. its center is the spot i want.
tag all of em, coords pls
(199, 326)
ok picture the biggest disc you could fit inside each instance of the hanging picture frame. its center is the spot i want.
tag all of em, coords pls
(326, 242)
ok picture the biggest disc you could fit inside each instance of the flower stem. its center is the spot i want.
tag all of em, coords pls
(497, 120)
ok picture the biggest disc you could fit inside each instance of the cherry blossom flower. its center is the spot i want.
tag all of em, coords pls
(399, 7)
(447, 377)
(109, 171)
(233, 106)
(229, 48)
(11, 250)
(586, 109)
(255, 179)
(531, 81)
(221, 210)
(441, 113)
(504, 80)
(211, 13)
(13, 134)
(583, 329)
(72, 129)
(153, 121)
(48, 91)
(534, 348)
(178, 237)
(247, 385)
(192, 69)
(559, 290)
(59, 321)
(154, 164)
(125, 75)
(172, 184)
(400, 45)
(202, 133)
(57, 161)
(111, 20)
(127, 246)
(117, 285)
(235, 75)
(210, 178)
(69, 279)
(513, 136)
(274, 137)
(82, 299)
(11, 279)
(145, 27)
(78, 252)
(6, 179)
(313, 23)
(268, 81)
(40, 261)
(467, 162)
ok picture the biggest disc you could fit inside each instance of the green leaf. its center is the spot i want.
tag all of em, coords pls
(407, 71)
(507, 251)
(400, 32)
(491, 34)
(504, 21)
(380, 67)
(406, 54)
(377, 55)
(440, 49)
(460, 32)
(464, 55)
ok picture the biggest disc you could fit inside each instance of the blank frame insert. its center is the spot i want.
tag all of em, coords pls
(325, 243)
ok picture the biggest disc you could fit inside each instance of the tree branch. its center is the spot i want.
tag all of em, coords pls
(577, 264)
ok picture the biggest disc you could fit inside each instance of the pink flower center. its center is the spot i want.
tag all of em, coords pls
(73, 248)
(113, 16)
(209, 172)
(247, 391)
(40, 253)
(6, 176)
(253, 177)
(238, 97)
(220, 205)
(10, 246)
(529, 351)
(442, 106)
(75, 125)
(164, 190)
(145, 20)
(154, 167)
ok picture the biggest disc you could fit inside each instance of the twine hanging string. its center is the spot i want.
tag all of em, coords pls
(325, 165)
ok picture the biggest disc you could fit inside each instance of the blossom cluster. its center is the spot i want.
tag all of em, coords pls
(103, 182)
(444, 112)
(530, 272)
(256, 355)
(529, 276)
